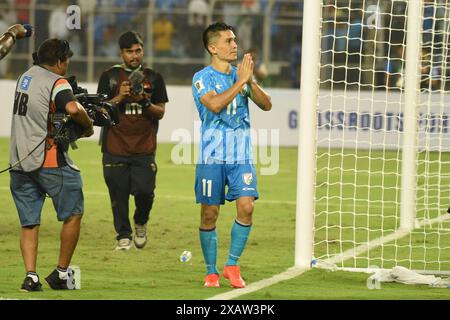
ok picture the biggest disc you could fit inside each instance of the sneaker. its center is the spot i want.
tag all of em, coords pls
(124, 244)
(140, 238)
(60, 281)
(233, 273)
(29, 285)
(212, 280)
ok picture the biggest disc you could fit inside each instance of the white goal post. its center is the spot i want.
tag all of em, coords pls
(373, 180)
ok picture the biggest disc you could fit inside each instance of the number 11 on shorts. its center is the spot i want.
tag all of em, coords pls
(207, 188)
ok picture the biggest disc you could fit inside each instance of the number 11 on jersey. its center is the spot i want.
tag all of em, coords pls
(232, 107)
(207, 188)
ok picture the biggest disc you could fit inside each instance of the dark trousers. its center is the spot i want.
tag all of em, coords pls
(125, 176)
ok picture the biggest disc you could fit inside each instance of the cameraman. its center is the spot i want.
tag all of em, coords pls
(39, 167)
(8, 39)
(128, 148)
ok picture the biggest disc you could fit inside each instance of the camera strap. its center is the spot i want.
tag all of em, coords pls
(34, 149)
(121, 75)
(29, 154)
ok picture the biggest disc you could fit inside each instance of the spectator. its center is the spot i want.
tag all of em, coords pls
(131, 13)
(7, 15)
(23, 11)
(244, 32)
(5, 62)
(109, 46)
(57, 21)
(394, 68)
(57, 27)
(355, 32)
(251, 6)
(295, 62)
(253, 9)
(6, 20)
(104, 17)
(231, 10)
(198, 10)
(163, 31)
(260, 72)
(193, 50)
(430, 71)
(87, 8)
(23, 17)
(168, 5)
(434, 17)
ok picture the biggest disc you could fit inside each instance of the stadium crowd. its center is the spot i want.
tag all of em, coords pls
(170, 29)
(163, 25)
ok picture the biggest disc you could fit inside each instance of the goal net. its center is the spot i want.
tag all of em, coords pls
(382, 144)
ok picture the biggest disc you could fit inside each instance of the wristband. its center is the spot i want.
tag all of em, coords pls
(29, 29)
(147, 104)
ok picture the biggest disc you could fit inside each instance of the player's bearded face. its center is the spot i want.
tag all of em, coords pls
(227, 46)
(132, 57)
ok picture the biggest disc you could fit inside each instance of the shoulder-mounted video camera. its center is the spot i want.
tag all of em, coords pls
(103, 114)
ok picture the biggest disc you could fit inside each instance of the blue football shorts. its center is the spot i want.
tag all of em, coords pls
(211, 181)
(29, 190)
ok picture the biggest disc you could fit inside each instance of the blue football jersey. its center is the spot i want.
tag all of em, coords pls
(225, 136)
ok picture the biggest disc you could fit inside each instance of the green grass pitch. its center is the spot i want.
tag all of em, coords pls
(155, 272)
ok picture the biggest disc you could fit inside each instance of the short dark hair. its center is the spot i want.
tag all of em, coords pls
(130, 38)
(52, 50)
(212, 30)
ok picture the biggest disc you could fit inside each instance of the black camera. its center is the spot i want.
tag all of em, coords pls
(103, 114)
(139, 84)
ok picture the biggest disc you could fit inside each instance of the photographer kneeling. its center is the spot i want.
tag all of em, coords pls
(39, 166)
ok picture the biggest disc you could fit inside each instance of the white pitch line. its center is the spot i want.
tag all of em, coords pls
(255, 286)
(4, 298)
(295, 271)
(400, 233)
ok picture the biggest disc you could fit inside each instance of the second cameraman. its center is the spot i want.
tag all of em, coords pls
(41, 167)
(129, 166)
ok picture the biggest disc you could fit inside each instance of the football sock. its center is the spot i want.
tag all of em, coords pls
(62, 272)
(239, 236)
(208, 241)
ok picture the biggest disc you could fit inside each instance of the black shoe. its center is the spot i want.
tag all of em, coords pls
(56, 283)
(29, 285)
